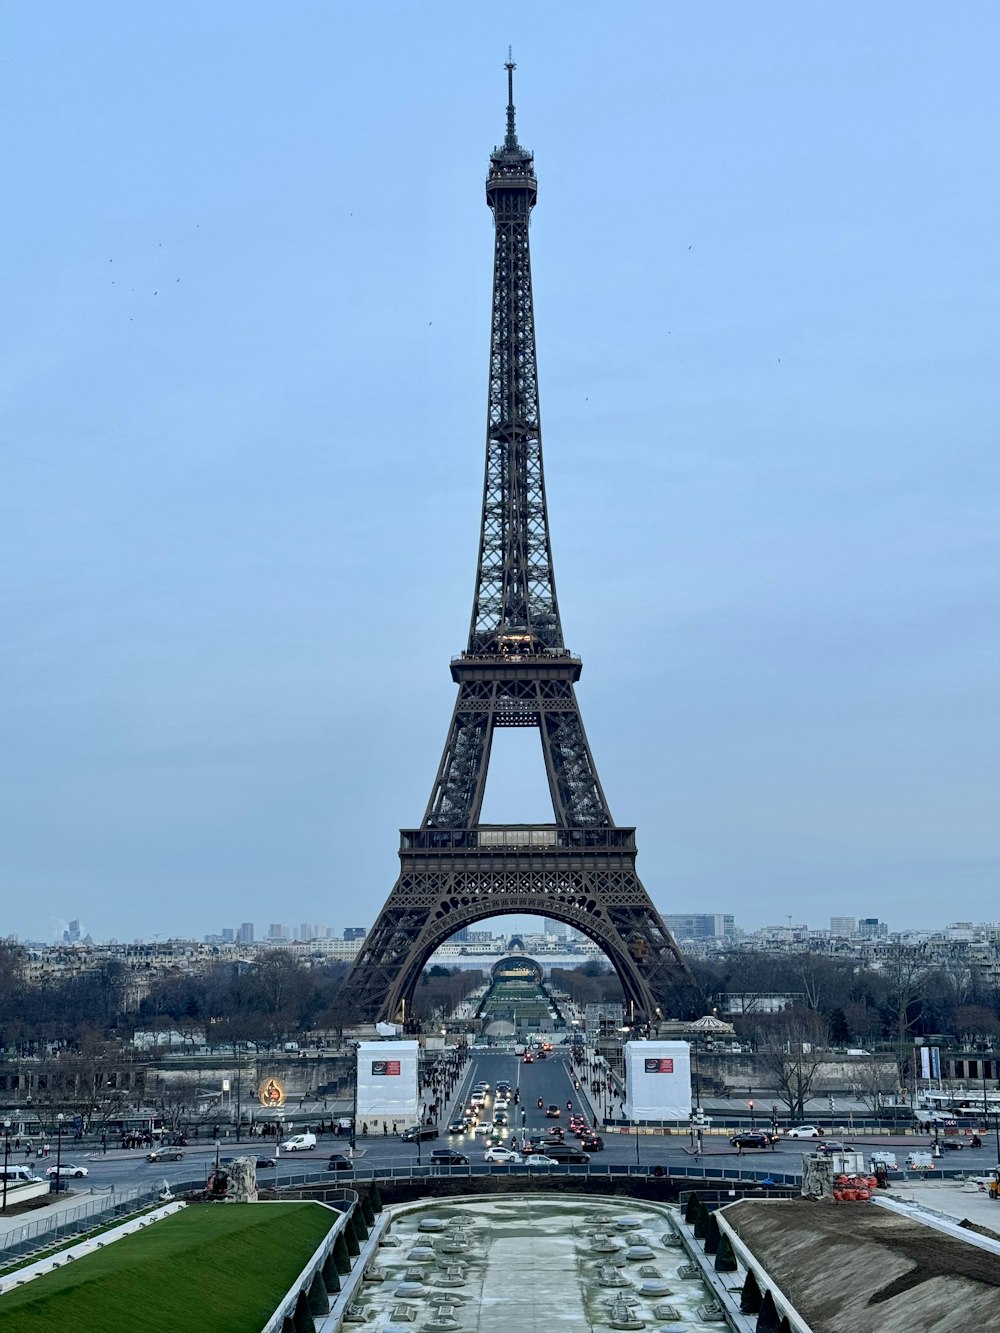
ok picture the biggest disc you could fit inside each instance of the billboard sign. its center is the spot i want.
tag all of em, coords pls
(387, 1082)
(657, 1080)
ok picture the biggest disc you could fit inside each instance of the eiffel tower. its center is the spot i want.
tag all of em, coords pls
(517, 672)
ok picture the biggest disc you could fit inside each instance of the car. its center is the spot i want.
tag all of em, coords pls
(951, 1145)
(591, 1142)
(67, 1169)
(483, 1127)
(419, 1133)
(539, 1159)
(502, 1155)
(556, 1133)
(482, 1086)
(543, 1054)
(458, 1126)
(165, 1155)
(528, 1058)
(500, 1118)
(553, 1111)
(478, 1099)
(448, 1157)
(803, 1132)
(568, 1156)
(265, 1163)
(752, 1139)
(339, 1162)
(830, 1145)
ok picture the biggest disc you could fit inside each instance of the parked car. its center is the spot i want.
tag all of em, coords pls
(803, 1132)
(419, 1133)
(502, 1155)
(339, 1162)
(750, 1139)
(448, 1157)
(67, 1169)
(165, 1155)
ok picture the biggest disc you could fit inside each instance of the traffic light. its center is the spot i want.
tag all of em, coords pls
(750, 1104)
(517, 1096)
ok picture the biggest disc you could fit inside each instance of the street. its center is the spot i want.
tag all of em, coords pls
(550, 1080)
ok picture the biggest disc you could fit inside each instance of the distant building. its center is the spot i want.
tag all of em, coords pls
(355, 932)
(843, 925)
(245, 933)
(701, 926)
(228, 935)
(870, 928)
(277, 931)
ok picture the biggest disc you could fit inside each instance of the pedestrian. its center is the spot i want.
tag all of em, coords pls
(394, 1129)
(364, 1128)
(385, 1129)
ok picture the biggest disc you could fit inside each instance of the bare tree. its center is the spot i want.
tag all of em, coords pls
(875, 1080)
(790, 1052)
(903, 970)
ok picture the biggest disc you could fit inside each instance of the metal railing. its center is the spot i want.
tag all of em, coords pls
(362, 1173)
(44, 1232)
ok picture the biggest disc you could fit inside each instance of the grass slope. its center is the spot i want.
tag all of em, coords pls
(217, 1268)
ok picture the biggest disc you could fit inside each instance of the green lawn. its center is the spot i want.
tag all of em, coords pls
(212, 1268)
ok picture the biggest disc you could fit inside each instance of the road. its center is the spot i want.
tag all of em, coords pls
(551, 1080)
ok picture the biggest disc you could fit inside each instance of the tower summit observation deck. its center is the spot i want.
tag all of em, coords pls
(517, 672)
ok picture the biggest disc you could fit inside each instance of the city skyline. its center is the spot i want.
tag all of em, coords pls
(247, 341)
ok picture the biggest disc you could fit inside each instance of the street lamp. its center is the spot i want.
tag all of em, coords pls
(59, 1133)
(6, 1158)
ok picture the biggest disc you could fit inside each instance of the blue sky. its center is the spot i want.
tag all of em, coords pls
(246, 261)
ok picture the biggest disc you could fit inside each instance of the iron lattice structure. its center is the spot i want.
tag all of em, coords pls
(517, 672)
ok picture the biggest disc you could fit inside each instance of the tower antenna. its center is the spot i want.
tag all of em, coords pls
(510, 67)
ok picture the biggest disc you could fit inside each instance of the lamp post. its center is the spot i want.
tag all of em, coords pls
(6, 1158)
(354, 1106)
(59, 1133)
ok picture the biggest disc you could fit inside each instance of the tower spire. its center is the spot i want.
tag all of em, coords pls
(511, 140)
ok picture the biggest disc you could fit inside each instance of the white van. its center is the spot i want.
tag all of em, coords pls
(298, 1143)
(19, 1175)
(884, 1159)
(919, 1161)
